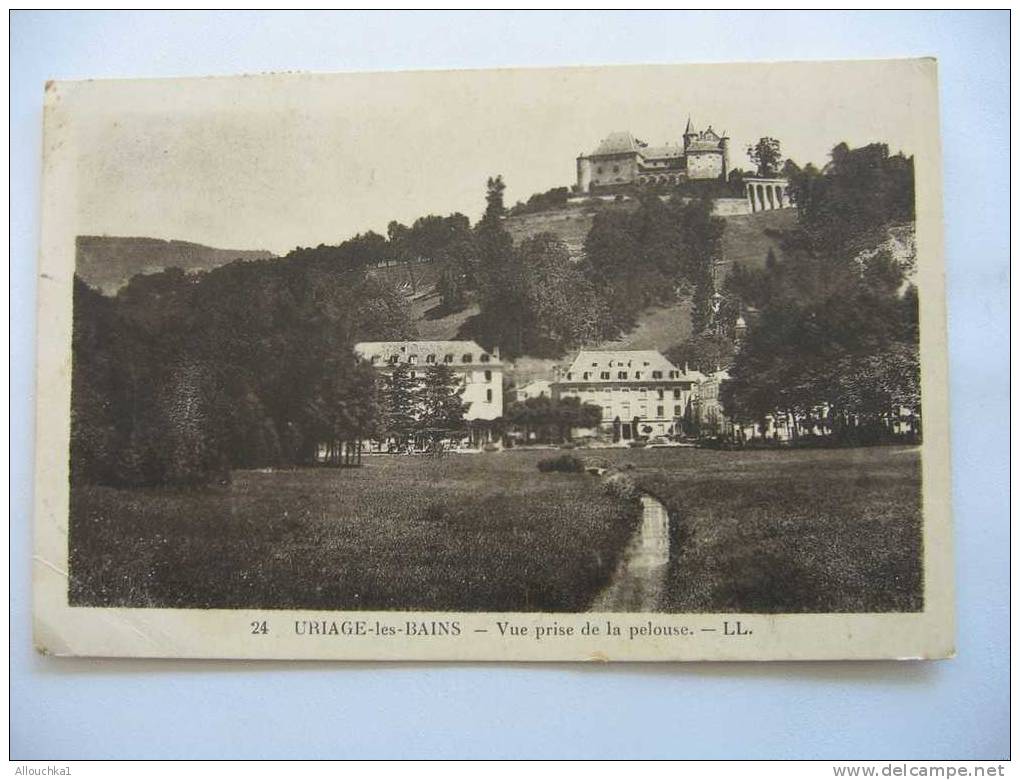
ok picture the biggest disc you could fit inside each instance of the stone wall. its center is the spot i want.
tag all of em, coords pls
(621, 169)
(704, 165)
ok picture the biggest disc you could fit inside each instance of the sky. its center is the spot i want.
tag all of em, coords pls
(275, 162)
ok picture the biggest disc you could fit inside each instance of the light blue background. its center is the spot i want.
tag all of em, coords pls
(956, 709)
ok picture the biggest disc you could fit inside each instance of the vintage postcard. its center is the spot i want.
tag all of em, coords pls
(606, 363)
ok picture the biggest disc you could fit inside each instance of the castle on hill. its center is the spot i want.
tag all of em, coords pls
(623, 159)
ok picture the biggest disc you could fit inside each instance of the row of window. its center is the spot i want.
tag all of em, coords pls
(467, 357)
(587, 375)
(660, 393)
(660, 412)
(467, 379)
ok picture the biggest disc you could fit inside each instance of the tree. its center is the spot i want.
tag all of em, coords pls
(400, 403)
(494, 189)
(766, 155)
(551, 419)
(562, 307)
(704, 352)
(442, 407)
(345, 409)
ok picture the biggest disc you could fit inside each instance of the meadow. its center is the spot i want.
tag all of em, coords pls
(754, 531)
(789, 531)
(463, 532)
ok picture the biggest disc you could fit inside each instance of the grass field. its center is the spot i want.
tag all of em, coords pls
(790, 530)
(468, 532)
(758, 531)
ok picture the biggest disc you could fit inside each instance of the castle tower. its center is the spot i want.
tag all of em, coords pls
(583, 174)
(724, 144)
(689, 134)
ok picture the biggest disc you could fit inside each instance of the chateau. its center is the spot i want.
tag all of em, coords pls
(623, 159)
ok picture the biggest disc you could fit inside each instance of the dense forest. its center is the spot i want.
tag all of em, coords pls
(833, 328)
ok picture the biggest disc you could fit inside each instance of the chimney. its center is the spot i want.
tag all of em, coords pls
(495, 351)
(685, 368)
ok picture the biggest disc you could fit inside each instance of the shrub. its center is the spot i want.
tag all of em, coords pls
(567, 463)
(620, 485)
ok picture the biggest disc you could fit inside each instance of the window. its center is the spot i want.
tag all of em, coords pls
(599, 169)
(375, 359)
(393, 359)
(616, 169)
(413, 375)
(488, 377)
(466, 358)
(637, 374)
(447, 358)
(659, 411)
(676, 394)
(643, 391)
(412, 359)
(621, 374)
(430, 358)
(488, 396)
(604, 375)
(585, 375)
(594, 364)
(661, 394)
(678, 411)
(674, 374)
(656, 375)
(570, 375)
(484, 358)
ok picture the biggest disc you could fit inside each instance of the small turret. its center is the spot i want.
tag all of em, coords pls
(689, 134)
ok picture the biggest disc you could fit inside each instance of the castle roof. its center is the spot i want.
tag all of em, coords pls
(662, 152)
(617, 143)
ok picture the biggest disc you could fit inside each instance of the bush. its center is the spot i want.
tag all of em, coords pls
(620, 485)
(565, 463)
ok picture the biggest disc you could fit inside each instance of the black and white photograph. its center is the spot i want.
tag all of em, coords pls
(615, 363)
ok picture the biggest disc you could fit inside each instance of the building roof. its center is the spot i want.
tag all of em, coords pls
(384, 350)
(661, 152)
(644, 360)
(620, 142)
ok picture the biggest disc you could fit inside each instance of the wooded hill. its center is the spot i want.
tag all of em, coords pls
(108, 262)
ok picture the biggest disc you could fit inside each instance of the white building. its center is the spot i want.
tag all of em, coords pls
(480, 372)
(540, 388)
(640, 392)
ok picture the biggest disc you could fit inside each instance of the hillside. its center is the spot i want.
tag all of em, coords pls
(108, 262)
(746, 239)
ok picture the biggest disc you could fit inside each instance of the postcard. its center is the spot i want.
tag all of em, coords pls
(630, 363)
